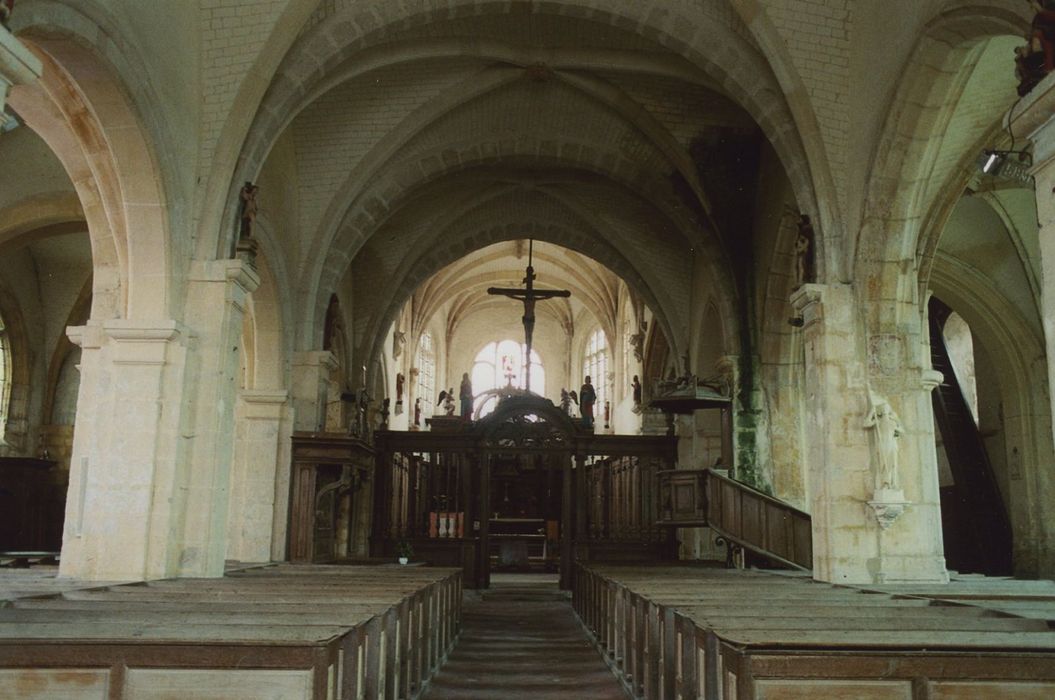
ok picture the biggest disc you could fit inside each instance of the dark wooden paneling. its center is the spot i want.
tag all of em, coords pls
(32, 504)
(325, 469)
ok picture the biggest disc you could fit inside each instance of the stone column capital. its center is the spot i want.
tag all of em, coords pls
(264, 396)
(90, 336)
(315, 358)
(142, 342)
(238, 272)
(808, 301)
(930, 379)
(264, 404)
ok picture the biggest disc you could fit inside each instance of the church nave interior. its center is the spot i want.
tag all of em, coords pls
(723, 327)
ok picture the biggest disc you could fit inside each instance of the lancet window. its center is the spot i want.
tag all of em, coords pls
(595, 365)
(425, 361)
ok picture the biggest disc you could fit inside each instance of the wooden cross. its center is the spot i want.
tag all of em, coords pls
(528, 295)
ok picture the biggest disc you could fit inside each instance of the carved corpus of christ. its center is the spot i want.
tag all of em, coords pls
(528, 295)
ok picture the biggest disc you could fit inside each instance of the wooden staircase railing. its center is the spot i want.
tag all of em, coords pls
(741, 515)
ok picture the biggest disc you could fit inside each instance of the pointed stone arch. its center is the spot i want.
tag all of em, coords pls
(910, 194)
(1015, 348)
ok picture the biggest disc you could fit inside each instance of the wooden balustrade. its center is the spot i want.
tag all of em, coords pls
(743, 516)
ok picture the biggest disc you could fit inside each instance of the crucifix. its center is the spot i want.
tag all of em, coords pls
(528, 295)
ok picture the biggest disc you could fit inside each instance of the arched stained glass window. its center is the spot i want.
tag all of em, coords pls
(502, 364)
(595, 366)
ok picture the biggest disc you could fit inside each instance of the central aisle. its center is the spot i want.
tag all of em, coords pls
(521, 639)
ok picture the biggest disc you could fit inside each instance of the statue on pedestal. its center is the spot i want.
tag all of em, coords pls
(1036, 58)
(447, 400)
(465, 396)
(804, 254)
(637, 342)
(587, 397)
(566, 399)
(385, 413)
(249, 209)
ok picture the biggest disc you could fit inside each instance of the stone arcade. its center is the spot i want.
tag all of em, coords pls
(246, 244)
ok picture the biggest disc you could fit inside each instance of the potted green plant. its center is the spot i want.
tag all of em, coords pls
(405, 551)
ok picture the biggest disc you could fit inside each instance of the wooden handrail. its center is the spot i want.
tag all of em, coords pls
(761, 494)
(743, 516)
(758, 522)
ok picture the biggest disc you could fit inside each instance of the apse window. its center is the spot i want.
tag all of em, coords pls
(595, 365)
(499, 365)
(425, 361)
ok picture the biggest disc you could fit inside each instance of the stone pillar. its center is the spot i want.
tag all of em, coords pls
(1034, 117)
(311, 378)
(122, 517)
(852, 541)
(217, 292)
(17, 67)
(257, 450)
(911, 546)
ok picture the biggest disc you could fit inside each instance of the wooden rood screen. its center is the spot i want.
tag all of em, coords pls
(525, 486)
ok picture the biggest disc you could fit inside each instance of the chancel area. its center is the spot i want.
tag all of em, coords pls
(475, 348)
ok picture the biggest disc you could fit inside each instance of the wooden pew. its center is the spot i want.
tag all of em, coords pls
(323, 633)
(682, 632)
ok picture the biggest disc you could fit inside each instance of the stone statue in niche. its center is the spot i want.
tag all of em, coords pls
(399, 339)
(636, 387)
(804, 253)
(400, 383)
(417, 413)
(887, 426)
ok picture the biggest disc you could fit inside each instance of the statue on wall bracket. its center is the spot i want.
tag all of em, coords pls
(888, 500)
